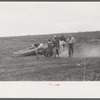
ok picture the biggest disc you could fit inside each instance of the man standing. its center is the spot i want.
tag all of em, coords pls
(55, 46)
(71, 42)
(50, 48)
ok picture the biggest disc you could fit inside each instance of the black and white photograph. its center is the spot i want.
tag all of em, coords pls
(50, 41)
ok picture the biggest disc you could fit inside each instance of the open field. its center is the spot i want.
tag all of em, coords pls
(48, 69)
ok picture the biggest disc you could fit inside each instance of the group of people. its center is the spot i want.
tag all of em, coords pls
(55, 42)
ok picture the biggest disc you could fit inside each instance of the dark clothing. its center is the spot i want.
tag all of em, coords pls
(56, 42)
(71, 49)
(56, 46)
(56, 51)
(71, 42)
(62, 38)
(36, 44)
(50, 49)
(57, 39)
(50, 46)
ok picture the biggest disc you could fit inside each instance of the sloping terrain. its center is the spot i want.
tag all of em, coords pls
(48, 69)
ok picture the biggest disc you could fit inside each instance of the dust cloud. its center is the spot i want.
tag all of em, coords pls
(83, 51)
(64, 52)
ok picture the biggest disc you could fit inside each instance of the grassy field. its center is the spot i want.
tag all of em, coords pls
(49, 69)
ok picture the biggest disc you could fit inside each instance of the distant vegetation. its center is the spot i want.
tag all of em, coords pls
(79, 36)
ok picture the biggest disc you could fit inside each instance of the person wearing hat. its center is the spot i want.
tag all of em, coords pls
(71, 41)
(55, 46)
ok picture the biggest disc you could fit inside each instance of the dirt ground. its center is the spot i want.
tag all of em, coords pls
(86, 55)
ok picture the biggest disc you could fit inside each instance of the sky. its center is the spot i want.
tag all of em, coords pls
(32, 18)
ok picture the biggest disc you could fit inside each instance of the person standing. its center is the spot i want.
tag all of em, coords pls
(50, 48)
(56, 46)
(71, 41)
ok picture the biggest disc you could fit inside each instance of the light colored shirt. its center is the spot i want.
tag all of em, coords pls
(62, 42)
(72, 40)
(40, 45)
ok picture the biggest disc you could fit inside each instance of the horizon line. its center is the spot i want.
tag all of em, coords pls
(48, 34)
